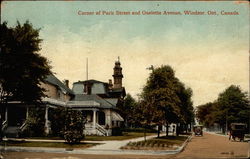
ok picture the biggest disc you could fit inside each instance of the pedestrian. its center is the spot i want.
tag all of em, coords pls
(229, 133)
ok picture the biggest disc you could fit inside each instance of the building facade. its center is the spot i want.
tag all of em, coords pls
(97, 100)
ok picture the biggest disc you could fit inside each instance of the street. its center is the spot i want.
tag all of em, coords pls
(207, 146)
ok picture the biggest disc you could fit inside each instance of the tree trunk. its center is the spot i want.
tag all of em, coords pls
(177, 130)
(158, 131)
(167, 129)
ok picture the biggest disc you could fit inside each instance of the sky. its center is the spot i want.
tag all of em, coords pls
(208, 52)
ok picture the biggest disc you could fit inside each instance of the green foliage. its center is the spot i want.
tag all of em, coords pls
(74, 126)
(35, 122)
(165, 99)
(57, 119)
(206, 114)
(127, 110)
(22, 67)
(231, 106)
(116, 131)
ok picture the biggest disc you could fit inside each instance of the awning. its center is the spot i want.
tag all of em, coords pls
(116, 117)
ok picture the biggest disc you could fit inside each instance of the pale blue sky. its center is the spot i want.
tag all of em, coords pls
(208, 53)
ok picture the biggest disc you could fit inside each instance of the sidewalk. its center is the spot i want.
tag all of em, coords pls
(107, 147)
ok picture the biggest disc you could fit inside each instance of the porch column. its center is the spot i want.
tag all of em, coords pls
(108, 121)
(94, 118)
(6, 114)
(27, 113)
(46, 121)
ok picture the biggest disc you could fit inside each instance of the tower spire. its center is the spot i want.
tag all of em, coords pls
(118, 74)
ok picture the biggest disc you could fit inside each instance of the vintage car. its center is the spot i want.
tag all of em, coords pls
(237, 131)
(198, 130)
(247, 137)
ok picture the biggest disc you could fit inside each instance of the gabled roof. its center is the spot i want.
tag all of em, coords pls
(93, 97)
(55, 81)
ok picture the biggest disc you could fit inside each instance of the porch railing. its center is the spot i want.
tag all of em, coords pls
(101, 129)
(4, 125)
(23, 126)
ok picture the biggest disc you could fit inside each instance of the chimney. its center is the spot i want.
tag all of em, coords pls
(110, 84)
(66, 83)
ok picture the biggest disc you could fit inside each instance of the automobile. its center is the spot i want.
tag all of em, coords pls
(246, 137)
(198, 130)
(238, 131)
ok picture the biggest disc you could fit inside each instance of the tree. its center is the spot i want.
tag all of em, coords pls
(206, 114)
(233, 106)
(127, 110)
(74, 126)
(186, 106)
(22, 67)
(161, 97)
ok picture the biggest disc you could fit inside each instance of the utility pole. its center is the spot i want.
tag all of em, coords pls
(226, 122)
(87, 69)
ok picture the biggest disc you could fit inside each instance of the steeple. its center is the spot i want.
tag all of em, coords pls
(118, 74)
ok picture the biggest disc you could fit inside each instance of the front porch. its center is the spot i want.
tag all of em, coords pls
(99, 121)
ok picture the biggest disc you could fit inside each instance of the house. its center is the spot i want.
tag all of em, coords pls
(97, 100)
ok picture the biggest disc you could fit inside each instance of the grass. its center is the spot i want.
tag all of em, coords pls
(46, 144)
(162, 143)
(125, 136)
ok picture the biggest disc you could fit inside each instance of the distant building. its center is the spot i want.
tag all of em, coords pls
(97, 100)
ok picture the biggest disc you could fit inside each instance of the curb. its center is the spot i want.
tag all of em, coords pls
(180, 149)
(94, 151)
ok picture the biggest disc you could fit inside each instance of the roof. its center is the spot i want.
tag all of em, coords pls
(55, 81)
(93, 97)
(90, 81)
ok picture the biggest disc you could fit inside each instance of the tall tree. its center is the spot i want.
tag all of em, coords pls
(162, 95)
(233, 106)
(127, 110)
(22, 68)
(206, 114)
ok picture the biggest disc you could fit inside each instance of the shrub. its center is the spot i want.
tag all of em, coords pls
(116, 131)
(35, 123)
(74, 126)
(57, 119)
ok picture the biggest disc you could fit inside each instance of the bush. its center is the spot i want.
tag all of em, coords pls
(74, 126)
(116, 131)
(35, 123)
(57, 119)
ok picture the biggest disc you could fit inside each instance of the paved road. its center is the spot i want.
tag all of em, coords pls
(208, 146)
(214, 146)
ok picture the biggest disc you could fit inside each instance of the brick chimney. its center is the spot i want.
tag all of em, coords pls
(66, 83)
(110, 84)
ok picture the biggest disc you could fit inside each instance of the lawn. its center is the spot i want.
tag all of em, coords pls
(125, 136)
(46, 144)
(162, 143)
